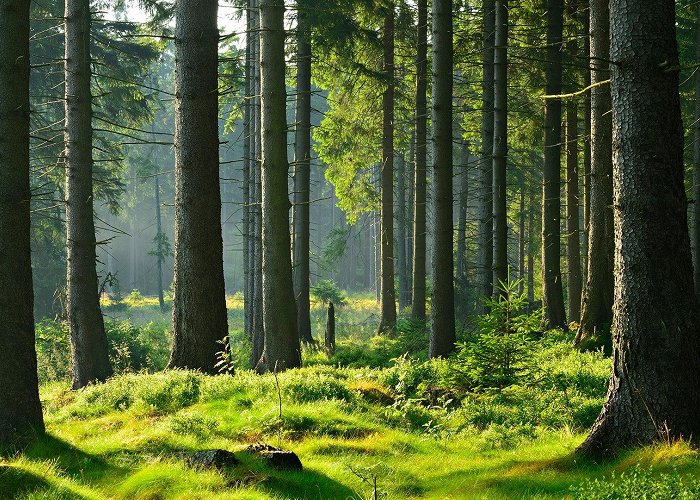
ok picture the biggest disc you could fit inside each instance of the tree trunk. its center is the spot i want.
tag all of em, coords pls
(461, 279)
(696, 163)
(552, 290)
(247, 162)
(521, 240)
(485, 235)
(573, 236)
(302, 177)
(330, 329)
(596, 313)
(159, 236)
(199, 304)
(411, 173)
(20, 407)
(654, 393)
(420, 179)
(442, 331)
(500, 147)
(404, 295)
(89, 347)
(282, 349)
(530, 241)
(584, 11)
(388, 298)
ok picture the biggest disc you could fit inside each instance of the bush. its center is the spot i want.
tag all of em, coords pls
(327, 291)
(53, 351)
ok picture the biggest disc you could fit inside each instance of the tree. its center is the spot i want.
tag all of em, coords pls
(282, 349)
(442, 331)
(553, 294)
(500, 147)
(20, 407)
(597, 303)
(388, 294)
(654, 392)
(420, 178)
(485, 243)
(696, 164)
(89, 347)
(199, 303)
(302, 173)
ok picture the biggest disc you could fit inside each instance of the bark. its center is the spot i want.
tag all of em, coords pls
(282, 349)
(584, 11)
(404, 295)
(302, 177)
(330, 329)
(247, 162)
(20, 407)
(521, 240)
(696, 164)
(410, 172)
(89, 347)
(388, 299)
(530, 242)
(552, 290)
(485, 236)
(654, 392)
(573, 241)
(596, 308)
(461, 278)
(442, 331)
(500, 147)
(159, 233)
(420, 179)
(199, 304)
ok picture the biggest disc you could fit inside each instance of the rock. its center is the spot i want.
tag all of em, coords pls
(276, 457)
(210, 459)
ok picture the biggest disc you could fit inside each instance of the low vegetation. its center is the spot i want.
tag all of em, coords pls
(376, 410)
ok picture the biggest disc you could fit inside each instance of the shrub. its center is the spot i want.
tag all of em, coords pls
(628, 485)
(327, 291)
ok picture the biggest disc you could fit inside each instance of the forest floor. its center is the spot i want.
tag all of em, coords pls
(400, 423)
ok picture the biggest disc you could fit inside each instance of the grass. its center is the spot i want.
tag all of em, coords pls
(404, 423)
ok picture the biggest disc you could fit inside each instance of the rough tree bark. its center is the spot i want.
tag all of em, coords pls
(552, 290)
(584, 11)
(573, 236)
(302, 175)
(654, 392)
(485, 235)
(282, 349)
(388, 295)
(696, 164)
(199, 303)
(500, 147)
(404, 294)
(442, 330)
(89, 347)
(159, 235)
(420, 180)
(596, 307)
(245, 185)
(20, 408)
(462, 307)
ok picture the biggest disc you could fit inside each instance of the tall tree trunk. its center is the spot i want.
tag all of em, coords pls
(654, 392)
(530, 241)
(500, 147)
(245, 187)
(584, 11)
(420, 180)
(485, 235)
(404, 295)
(552, 290)
(573, 236)
(199, 304)
(596, 313)
(159, 236)
(388, 296)
(282, 349)
(461, 279)
(20, 407)
(89, 346)
(258, 332)
(521, 239)
(410, 209)
(302, 175)
(696, 163)
(442, 331)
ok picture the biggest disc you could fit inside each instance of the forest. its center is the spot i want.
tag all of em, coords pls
(352, 249)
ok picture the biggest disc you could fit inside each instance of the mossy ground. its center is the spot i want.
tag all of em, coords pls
(129, 438)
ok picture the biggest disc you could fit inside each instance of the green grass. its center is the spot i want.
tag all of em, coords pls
(418, 428)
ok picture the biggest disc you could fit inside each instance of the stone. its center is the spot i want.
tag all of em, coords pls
(276, 457)
(213, 459)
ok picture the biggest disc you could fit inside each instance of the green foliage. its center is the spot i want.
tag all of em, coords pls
(162, 249)
(639, 482)
(500, 352)
(327, 291)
